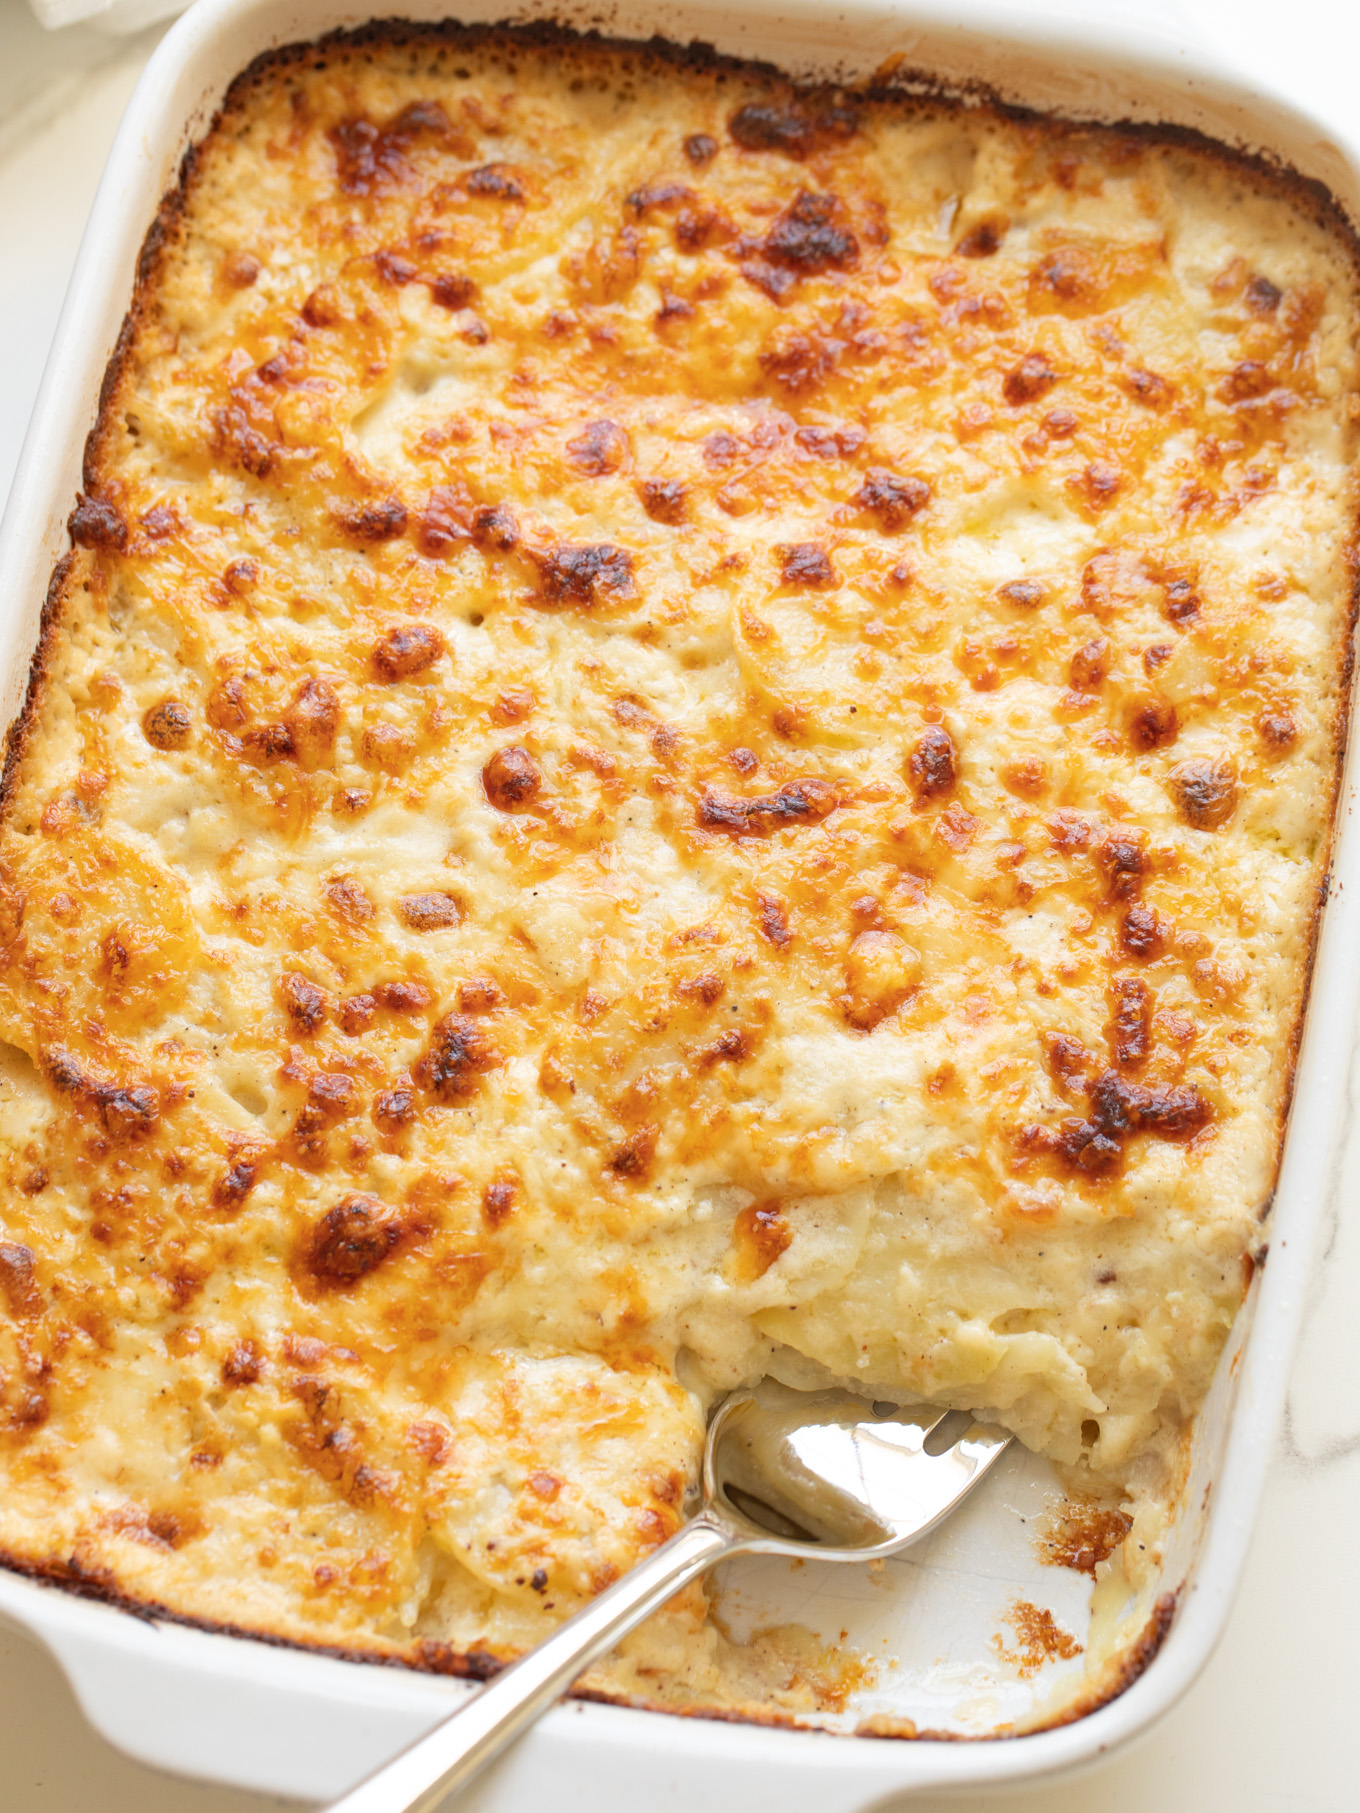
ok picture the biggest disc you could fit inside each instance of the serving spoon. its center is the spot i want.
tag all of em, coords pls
(786, 1472)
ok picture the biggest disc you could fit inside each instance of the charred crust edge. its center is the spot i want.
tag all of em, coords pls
(95, 1582)
(16, 741)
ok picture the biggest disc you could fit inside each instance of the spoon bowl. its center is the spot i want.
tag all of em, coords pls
(825, 1472)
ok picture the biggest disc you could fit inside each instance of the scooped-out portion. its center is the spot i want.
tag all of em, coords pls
(690, 736)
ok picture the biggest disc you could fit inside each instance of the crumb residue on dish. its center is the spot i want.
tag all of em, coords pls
(1080, 1533)
(1039, 1639)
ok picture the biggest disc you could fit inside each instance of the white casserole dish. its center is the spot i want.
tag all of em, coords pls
(233, 1710)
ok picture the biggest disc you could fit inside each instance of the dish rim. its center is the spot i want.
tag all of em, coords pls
(31, 537)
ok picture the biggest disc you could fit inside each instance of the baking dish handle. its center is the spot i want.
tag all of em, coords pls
(437, 1765)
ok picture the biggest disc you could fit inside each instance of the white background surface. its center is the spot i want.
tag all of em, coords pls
(1271, 1725)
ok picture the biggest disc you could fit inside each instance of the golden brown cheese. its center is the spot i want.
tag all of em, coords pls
(691, 734)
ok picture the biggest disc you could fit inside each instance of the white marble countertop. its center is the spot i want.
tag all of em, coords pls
(1269, 1726)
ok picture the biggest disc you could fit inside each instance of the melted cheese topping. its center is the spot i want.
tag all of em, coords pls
(690, 735)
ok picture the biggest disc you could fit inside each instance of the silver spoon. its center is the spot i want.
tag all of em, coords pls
(785, 1473)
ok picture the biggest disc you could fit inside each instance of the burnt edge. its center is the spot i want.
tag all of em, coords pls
(149, 259)
(16, 738)
(892, 84)
(98, 1584)
(901, 87)
(1135, 1661)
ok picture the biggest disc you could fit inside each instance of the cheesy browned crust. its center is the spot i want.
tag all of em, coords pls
(691, 733)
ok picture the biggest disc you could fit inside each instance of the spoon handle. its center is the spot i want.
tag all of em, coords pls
(446, 1759)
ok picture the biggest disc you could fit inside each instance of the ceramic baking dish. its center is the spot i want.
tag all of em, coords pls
(234, 1710)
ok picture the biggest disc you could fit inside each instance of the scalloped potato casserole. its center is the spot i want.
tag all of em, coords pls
(690, 733)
